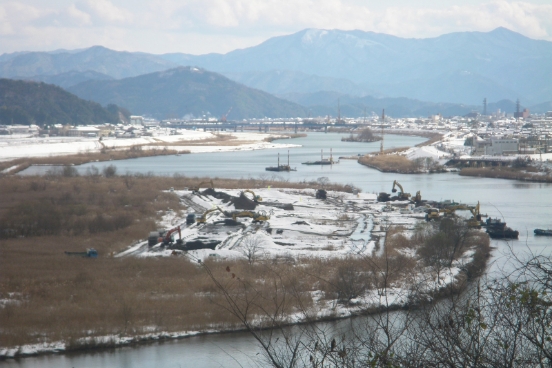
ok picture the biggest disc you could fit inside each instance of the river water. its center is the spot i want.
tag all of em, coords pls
(524, 206)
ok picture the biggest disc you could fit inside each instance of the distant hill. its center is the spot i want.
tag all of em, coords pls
(325, 103)
(187, 91)
(27, 102)
(458, 67)
(68, 79)
(116, 64)
(284, 81)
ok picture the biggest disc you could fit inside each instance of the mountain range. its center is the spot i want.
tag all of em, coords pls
(186, 91)
(453, 69)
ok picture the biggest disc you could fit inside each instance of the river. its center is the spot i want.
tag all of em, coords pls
(524, 206)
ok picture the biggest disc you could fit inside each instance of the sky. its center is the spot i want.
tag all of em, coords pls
(204, 26)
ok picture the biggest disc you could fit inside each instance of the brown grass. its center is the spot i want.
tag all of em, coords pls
(286, 136)
(506, 173)
(390, 163)
(82, 158)
(57, 297)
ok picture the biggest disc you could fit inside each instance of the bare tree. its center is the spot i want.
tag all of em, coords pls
(504, 321)
(252, 247)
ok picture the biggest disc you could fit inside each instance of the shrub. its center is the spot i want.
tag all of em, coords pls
(109, 171)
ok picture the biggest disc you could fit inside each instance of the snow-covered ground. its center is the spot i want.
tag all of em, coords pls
(343, 225)
(22, 146)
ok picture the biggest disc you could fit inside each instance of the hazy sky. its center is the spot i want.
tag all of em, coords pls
(202, 26)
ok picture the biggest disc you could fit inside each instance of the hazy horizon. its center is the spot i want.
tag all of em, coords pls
(219, 26)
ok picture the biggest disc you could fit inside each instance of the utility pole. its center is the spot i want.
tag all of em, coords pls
(382, 120)
(485, 106)
(338, 112)
(517, 110)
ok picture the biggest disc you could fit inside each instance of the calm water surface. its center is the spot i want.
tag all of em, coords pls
(524, 206)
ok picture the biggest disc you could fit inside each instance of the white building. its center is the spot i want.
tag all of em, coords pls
(136, 120)
(497, 146)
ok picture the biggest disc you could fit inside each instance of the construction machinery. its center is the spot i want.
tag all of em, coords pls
(225, 116)
(165, 237)
(195, 189)
(90, 253)
(321, 194)
(203, 218)
(190, 219)
(417, 198)
(384, 197)
(256, 216)
(402, 195)
(474, 221)
(168, 238)
(256, 198)
(451, 210)
(432, 214)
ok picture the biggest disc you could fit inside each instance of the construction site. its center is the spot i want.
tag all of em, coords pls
(291, 223)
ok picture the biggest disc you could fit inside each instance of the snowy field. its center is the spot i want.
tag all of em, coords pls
(23, 146)
(343, 225)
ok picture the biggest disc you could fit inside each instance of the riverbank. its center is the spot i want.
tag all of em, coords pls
(510, 173)
(19, 152)
(397, 163)
(18, 165)
(328, 251)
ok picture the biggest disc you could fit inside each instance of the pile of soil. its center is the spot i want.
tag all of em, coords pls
(284, 206)
(220, 195)
(243, 203)
(197, 244)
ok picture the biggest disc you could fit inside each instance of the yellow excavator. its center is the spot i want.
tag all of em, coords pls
(203, 218)
(474, 221)
(256, 216)
(451, 210)
(402, 195)
(195, 188)
(256, 198)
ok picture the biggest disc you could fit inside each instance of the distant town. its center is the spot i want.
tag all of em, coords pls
(495, 134)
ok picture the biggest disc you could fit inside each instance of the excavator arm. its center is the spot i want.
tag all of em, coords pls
(256, 198)
(167, 238)
(402, 194)
(196, 188)
(203, 218)
(396, 184)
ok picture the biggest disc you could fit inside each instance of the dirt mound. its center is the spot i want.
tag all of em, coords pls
(284, 206)
(243, 203)
(220, 195)
(197, 244)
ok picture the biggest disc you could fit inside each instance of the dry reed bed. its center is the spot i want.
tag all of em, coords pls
(61, 297)
(82, 158)
(55, 297)
(506, 173)
(390, 163)
(285, 136)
